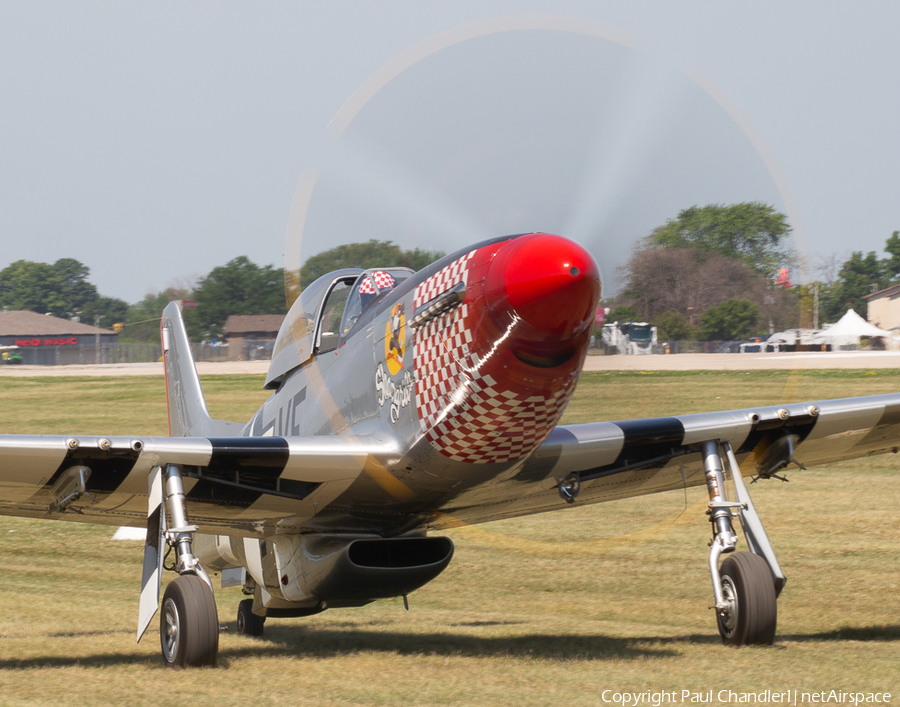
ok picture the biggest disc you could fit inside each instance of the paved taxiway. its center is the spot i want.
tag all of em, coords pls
(134, 369)
(745, 362)
(671, 362)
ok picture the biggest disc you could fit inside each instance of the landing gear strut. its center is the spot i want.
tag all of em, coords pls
(189, 623)
(747, 584)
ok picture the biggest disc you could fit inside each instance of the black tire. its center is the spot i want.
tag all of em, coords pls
(747, 583)
(189, 624)
(248, 623)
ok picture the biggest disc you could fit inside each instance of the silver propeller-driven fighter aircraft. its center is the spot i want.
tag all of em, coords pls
(403, 404)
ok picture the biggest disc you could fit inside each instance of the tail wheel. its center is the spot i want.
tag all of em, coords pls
(189, 624)
(752, 613)
(248, 623)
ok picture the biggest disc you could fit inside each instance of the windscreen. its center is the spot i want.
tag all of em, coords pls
(640, 332)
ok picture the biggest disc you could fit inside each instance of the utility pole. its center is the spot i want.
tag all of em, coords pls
(97, 339)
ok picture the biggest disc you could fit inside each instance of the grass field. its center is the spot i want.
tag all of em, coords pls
(546, 610)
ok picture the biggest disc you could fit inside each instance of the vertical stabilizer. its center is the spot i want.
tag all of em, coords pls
(188, 416)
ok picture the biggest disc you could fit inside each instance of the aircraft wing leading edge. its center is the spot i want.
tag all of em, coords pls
(241, 480)
(627, 458)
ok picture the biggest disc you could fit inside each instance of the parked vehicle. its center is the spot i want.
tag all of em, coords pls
(630, 337)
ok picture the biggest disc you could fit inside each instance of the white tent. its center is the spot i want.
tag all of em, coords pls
(848, 330)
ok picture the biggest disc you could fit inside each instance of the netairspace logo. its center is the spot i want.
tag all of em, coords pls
(766, 697)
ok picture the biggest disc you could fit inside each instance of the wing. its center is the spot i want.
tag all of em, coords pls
(614, 460)
(237, 484)
(233, 483)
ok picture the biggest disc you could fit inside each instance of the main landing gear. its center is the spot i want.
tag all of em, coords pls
(188, 622)
(747, 583)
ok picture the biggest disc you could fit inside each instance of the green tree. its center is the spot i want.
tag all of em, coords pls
(691, 280)
(238, 287)
(623, 313)
(104, 310)
(419, 258)
(752, 231)
(37, 287)
(61, 289)
(77, 292)
(672, 326)
(892, 263)
(859, 276)
(733, 318)
(142, 319)
(371, 254)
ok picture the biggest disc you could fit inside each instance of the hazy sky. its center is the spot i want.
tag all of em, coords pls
(153, 142)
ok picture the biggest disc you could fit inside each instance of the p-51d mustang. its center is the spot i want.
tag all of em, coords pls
(406, 403)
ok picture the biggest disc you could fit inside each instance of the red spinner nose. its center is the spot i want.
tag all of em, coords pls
(548, 282)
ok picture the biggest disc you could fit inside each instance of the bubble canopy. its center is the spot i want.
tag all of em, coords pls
(325, 312)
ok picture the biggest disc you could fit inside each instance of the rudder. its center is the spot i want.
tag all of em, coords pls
(188, 415)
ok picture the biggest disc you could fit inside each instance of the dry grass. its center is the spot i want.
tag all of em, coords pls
(114, 406)
(550, 609)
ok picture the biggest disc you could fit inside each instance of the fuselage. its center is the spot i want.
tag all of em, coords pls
(460, 371)
(466, 366)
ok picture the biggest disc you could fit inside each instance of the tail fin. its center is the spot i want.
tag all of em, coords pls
(188, 416)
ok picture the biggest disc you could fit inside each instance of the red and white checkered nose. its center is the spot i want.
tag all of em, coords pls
(494, 374)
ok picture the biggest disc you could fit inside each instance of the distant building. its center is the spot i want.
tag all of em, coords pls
(47, 341)
(884, 308)
(252, 336)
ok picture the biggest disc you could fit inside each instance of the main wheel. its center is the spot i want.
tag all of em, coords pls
(248, 623)
(750, 592)
(189, 624)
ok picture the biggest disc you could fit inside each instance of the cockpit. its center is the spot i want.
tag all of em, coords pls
(327, 313)
(371, 285)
